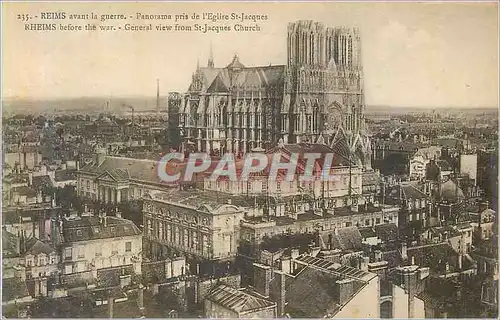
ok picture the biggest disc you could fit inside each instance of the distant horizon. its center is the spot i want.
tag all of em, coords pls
(153, 97)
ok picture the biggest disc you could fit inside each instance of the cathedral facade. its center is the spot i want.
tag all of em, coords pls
(317, 97)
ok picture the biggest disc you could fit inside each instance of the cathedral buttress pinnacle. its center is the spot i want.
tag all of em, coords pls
(210, 63)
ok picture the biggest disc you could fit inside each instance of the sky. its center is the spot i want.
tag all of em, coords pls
(414, 54)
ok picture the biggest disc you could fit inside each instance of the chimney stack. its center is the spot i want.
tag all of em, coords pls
(110, 306)
(118, 213)
(262, 278)
(19, 243)
(54, 200)
(281, 298)
(345, 289)
(410, 278)
(404, 251)
(23, 244)
(363, 265)
(286, 265)
(141, 297)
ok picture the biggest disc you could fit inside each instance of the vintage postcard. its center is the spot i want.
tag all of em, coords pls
(250, 159)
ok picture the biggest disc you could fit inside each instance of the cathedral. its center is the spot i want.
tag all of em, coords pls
(316, 97)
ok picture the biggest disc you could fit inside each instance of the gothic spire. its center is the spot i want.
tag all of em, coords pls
(211, 57)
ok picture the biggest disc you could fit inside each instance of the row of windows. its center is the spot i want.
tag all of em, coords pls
(80, 251)
(177, 235)
(326, 226)
(417, 204)
(40, 261)
(87, 183)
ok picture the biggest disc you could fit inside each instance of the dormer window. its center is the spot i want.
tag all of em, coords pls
(79, 233)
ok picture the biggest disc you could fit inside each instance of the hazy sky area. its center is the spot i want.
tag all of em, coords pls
(414, 54)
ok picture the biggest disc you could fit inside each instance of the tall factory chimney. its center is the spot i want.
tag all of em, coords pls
(157, 95)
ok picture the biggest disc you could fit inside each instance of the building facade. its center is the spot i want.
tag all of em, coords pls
(204, 232)
(112, 179)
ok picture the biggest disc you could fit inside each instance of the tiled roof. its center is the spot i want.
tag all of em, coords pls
(429, 152)
(434, 256)
(120, 168)
(367, 233)
(387, 232)
(349, 238)
(10, 244)
(218, 85)
(15, 215)
(451, 192)
(314, 292)
(91, 228)
(448, 142)
(224, 79)
(403, 146)
(35, 246)
(444, 165)
(237, 300)
(340, 151)
(341, 270)
(406, 191)
(25, 191)
(65, 175)
(110, 277)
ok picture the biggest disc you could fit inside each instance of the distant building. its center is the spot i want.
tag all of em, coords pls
(347, 175)
(30, 260)
(468, 165)
(420, 159)
(62, 178)
(415, 207)
(254, 230)
(23, 157)
(175, 101)
(438, 170)
(91, 244)
(486, 256)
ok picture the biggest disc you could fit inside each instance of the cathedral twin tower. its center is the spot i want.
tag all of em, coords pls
(316, 97)
(310, 43)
